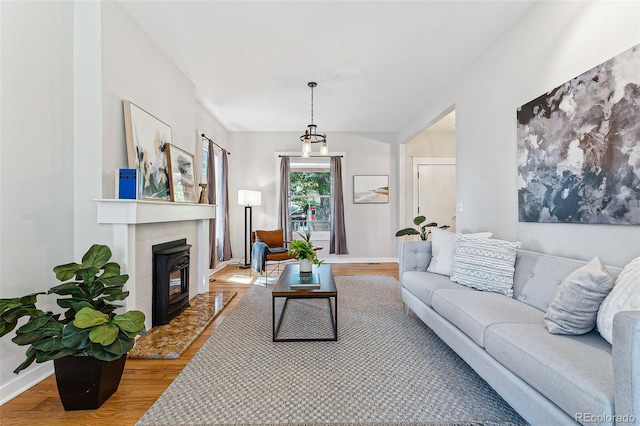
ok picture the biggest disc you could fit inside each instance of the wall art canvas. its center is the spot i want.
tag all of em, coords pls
(370, 189)
(579, 148)
(181, 175)
(147, 138)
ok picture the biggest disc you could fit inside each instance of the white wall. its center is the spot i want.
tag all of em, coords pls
(36, 161)
(551, 44)
(65, 68)
(254, 164)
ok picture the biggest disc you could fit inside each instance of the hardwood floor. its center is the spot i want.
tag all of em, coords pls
(144, 381)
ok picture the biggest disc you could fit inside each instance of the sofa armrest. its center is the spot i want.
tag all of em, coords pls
(414, 256)
(626, 366)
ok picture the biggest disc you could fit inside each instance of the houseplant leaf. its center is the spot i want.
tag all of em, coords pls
(75, 338)
(67, 271)
(121, 346)
(132, 321)
(88, 317)
(97, 256)
(104, 334)
(101, 353)
(111, 269)
(406, 231)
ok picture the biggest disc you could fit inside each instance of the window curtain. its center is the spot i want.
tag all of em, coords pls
(338, 243)
(284, 212)
(211, 197)
(224, 250)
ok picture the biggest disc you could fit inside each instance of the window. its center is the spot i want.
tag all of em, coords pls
(310, 194)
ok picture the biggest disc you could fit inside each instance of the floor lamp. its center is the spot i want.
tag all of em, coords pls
(248, 199)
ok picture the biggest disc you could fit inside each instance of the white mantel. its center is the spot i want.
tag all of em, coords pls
(138, 224)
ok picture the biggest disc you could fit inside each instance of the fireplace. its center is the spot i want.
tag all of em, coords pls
(170, 280)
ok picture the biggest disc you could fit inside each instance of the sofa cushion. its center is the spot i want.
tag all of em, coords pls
(575, 372)
(625, 296)
(575, 307)
(443, 248)
(422, 284)
(474, 311)
(485, 264)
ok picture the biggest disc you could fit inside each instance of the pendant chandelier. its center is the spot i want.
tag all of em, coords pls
(311, 134)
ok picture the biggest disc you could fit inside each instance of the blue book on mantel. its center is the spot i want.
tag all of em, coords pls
(127, 184)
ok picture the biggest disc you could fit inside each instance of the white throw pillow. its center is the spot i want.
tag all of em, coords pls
(625, 296)
(485, 264)
(443, 250)
(574, 309)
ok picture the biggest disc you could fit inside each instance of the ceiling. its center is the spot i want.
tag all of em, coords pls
(377, 63)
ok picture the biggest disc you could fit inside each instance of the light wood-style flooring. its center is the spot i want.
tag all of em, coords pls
(144, 381)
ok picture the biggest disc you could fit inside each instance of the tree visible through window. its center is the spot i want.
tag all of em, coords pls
(310, 198)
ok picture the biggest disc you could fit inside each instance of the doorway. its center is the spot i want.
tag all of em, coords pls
(435, 190)
(433, 173)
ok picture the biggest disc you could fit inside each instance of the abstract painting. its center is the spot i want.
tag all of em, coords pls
(370, 189)
(147, 138)
(579, 148)
(181, 175)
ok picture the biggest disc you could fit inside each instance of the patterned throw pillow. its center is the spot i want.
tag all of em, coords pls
(625, 296)
(485, 264)
(443, 250)
(574, 309)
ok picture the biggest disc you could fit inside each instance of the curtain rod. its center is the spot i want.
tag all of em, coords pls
(313, 156)
(211, 140)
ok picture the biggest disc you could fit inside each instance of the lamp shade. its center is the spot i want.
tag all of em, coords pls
(247, 197)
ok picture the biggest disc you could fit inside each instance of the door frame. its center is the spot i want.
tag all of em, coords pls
(424, 161)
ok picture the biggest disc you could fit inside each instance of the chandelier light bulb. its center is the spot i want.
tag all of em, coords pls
(324, 149)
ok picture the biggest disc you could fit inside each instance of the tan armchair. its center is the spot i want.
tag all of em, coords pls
(276, 243)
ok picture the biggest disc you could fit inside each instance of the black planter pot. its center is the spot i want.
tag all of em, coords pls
(85, 382)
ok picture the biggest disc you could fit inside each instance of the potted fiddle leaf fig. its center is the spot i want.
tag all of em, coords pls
(305, 252)
(88, 342)
(423, 230)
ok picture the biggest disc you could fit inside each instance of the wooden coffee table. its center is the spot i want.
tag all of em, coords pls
(327, 290)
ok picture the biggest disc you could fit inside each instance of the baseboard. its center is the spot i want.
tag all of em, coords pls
(360, 259)
(343, 259)
(25, 380)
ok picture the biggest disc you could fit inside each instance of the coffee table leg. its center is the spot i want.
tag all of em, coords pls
(273, 310)
(334, 318)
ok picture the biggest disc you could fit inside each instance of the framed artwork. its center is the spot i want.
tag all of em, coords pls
(578, 152)
(370, 189)
(181, 175)
(147, 138)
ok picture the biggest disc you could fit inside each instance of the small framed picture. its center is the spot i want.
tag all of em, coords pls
(370, 189)
(181, 175)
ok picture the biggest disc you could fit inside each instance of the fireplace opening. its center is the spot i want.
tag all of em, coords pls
(170, 280)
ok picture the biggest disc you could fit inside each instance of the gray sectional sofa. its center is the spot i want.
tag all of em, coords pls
(549, 379)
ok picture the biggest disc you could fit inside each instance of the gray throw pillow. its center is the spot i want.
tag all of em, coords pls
(574, 309)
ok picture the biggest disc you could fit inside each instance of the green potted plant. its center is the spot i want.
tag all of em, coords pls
(304, 251)
(88, 342)
(423, 230)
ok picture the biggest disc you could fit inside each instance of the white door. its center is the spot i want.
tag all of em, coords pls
(436, 192)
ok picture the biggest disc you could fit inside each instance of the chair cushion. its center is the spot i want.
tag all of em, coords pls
(575, 372)
(474, 311)
(273, 238)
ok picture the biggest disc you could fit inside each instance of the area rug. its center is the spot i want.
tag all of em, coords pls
(171, 340)
(387, 368)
